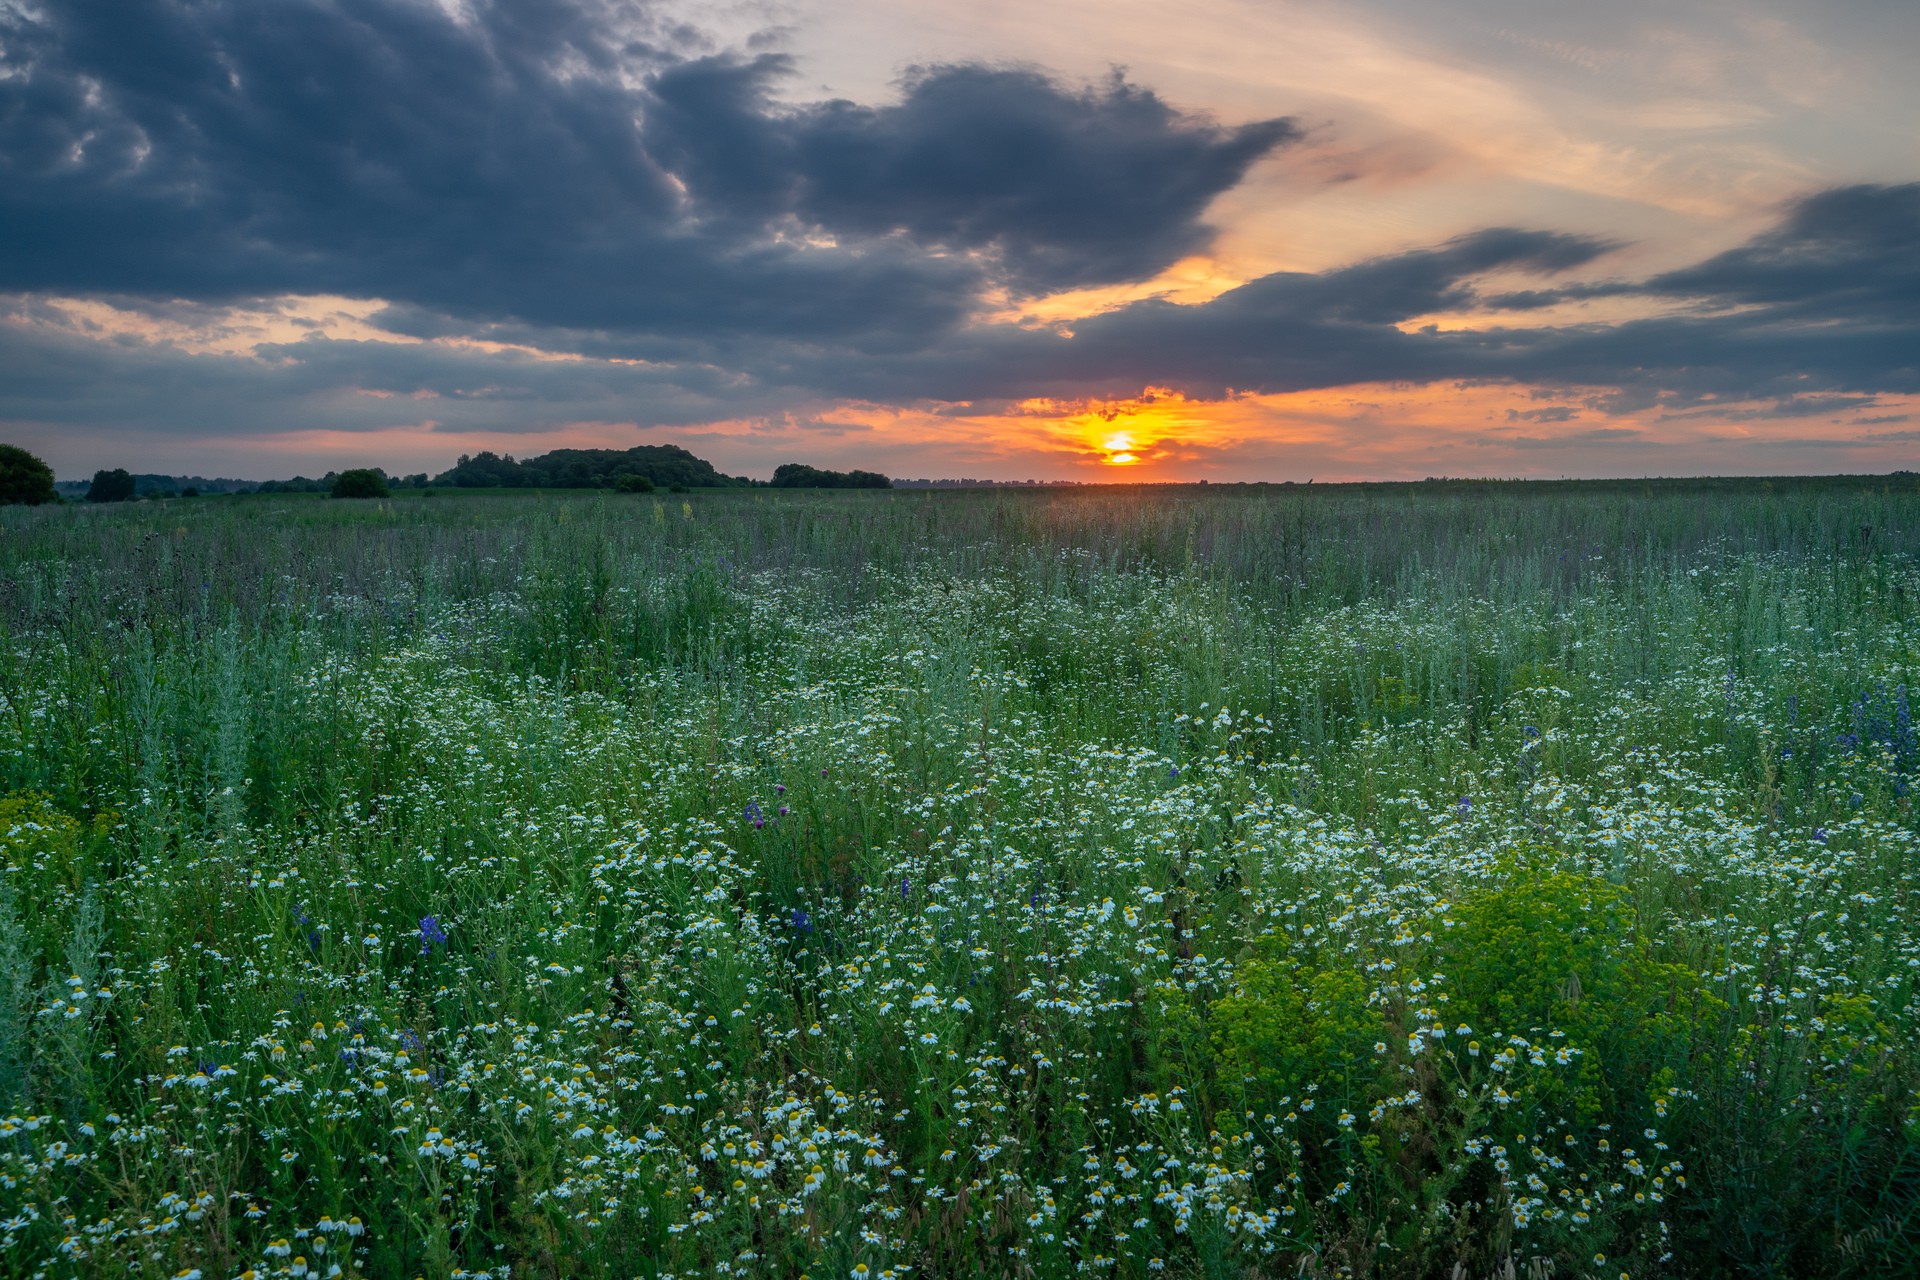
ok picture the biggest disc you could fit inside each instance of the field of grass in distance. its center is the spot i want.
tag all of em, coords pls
(1210, 881)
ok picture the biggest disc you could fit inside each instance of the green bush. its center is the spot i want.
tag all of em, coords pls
(116, 485)
(24, 478)
(361, 482)
(1445, 1084)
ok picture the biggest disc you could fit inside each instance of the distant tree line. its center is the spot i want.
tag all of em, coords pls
(798, 475)
(663, 466)
(25, 478)
(971, 483)
(330, 482)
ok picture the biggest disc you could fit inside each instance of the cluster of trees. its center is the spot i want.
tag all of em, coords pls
(637, 469)
(328, 482)
(25, 478)
(658, 465)
(971, 483)
(798, 475)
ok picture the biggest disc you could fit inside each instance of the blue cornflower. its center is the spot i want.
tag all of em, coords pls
(801, 921)
(431, 934)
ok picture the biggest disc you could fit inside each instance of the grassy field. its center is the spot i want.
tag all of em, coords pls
(1451, 881)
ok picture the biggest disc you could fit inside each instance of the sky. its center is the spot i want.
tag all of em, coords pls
(1095, 240)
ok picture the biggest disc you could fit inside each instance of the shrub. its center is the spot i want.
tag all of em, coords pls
(361, 482)
(1406, 1066)
(44, 846)
(24, 478)
(633, 484)
(111, 486)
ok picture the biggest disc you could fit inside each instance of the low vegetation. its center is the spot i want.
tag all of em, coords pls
(1400, 882)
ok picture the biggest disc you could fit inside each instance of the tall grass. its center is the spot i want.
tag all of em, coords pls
(1201, 881)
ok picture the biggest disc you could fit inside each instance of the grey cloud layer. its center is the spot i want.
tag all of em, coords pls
(555, 162)
(572, 175)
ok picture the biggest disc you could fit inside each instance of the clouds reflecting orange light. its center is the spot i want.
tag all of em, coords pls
(1374, 431)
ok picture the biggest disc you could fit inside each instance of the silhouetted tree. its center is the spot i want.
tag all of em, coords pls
(798, 475)
(24, 478)
(361, 482)
(111, 486)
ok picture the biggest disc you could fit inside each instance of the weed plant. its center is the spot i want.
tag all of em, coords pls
(1421, 881)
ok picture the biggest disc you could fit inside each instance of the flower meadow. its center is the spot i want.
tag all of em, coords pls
(1406, 881)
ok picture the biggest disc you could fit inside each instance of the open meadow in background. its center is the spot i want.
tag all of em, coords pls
(1432, 880)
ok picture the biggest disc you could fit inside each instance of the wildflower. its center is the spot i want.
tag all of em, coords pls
(431, 934)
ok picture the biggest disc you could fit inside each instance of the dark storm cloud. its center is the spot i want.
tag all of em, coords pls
(1066, 188)
(1826, 303)
(561, 163)
(1851, 254)
(1848, 254)
(1060, 187)
(1287, 331)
